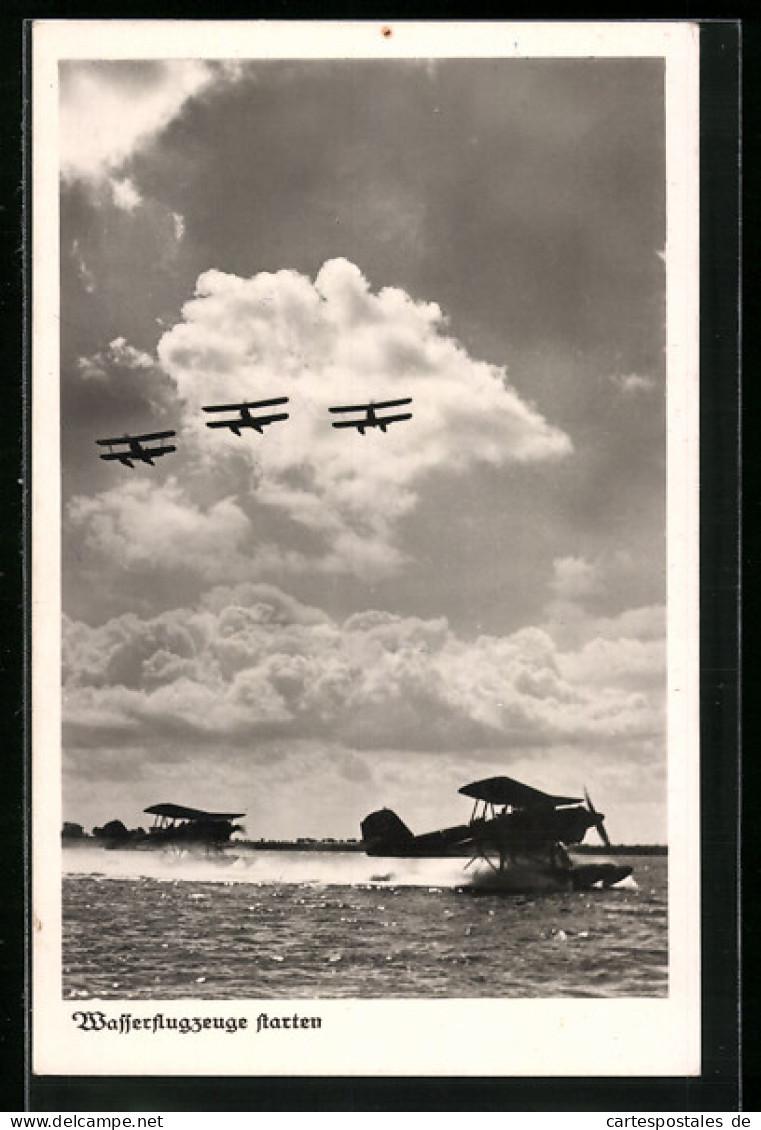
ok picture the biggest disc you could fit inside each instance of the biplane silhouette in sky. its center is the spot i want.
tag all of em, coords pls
(250, 415)
(244, 418)
(520, 832)
(371, 419)
(135, 451)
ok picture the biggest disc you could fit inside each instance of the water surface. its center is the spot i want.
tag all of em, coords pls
(142, 925)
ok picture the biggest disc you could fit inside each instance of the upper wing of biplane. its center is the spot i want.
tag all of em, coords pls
(505, 790)
(375, 405)
(180, 812)
(245, 404)
(393, 403)
(136, 439)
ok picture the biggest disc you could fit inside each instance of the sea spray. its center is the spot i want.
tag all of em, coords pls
(240, 864)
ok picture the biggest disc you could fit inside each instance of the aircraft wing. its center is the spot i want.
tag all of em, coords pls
(392, 403)
(153, 451)
(393, 419)
(351, 423)
(246, 404)
(375, 404)
(153, 435)
(180, 812)
(128, 439)
(256, 422)
(120, 455)
(505, 790)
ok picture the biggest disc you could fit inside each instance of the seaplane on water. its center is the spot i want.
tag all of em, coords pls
(135, 451)
(176, 828)
(176, 824)
(517, 831)
(244, 418)
(371, 419)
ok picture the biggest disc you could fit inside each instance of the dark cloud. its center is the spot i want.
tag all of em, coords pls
(526, 198)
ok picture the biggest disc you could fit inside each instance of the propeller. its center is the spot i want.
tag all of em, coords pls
(599, 819)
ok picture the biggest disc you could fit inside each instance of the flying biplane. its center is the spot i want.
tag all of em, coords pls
(520, 832)
(135, 450)
(371, 419)
(245, 419)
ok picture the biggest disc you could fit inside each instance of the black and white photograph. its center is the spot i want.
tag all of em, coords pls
(365, 552)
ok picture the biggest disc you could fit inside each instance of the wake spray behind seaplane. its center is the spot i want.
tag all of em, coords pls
(518, 832)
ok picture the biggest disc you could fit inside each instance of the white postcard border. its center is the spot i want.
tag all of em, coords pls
(460, 1037)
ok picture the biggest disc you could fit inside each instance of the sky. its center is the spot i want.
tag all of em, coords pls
(311, 624)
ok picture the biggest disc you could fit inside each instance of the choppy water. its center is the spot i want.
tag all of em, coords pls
(288, 925)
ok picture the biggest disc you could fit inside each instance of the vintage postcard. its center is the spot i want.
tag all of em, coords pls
(365, 570)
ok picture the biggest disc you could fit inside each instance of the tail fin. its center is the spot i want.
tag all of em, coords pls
(384, 829)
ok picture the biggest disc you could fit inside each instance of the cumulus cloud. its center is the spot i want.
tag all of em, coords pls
(251, 662)
(178, 225)
(84, 273)
(622, 661)
(574, 578)
(142, 525)
(118, 355)
(125, 194)
(123, 389)
(334, 341)
(109, 109)
(327, 342)
(633, 383)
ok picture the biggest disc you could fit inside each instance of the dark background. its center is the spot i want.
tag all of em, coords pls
(726, 1082)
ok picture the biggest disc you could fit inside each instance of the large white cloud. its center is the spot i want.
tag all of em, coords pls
(251, 662)
(321, 343)
(333, 341)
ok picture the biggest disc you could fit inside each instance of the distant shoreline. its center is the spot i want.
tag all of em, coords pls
(357, 846)
(347, 845)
